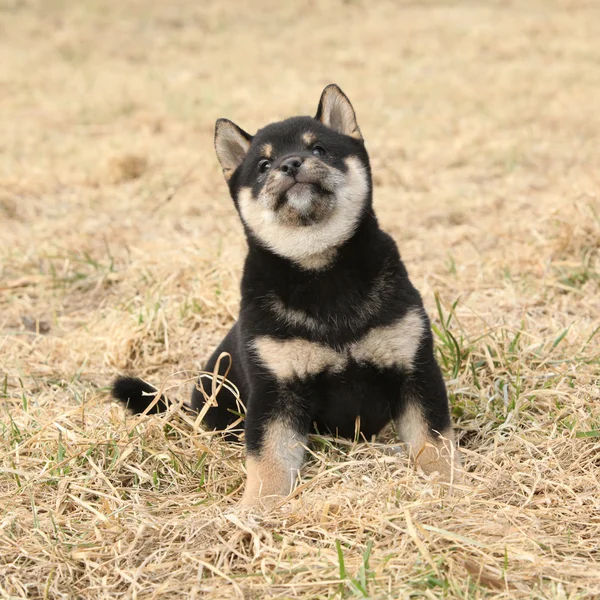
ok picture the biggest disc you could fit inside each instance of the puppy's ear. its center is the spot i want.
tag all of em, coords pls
(335, 111)
(232, 145)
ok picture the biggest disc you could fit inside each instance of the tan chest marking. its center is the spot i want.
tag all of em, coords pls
(394, 345)
(297, 357)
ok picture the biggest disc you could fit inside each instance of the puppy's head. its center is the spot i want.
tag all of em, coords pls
(302, 185)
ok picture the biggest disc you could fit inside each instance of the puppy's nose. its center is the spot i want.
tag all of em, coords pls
(291, 165)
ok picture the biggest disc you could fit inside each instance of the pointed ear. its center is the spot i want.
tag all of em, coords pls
(335, 111)
(232, 145)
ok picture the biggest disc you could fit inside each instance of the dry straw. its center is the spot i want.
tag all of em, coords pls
(120, 252)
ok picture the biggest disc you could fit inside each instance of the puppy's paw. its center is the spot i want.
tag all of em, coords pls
(257, 502)
(441, 456)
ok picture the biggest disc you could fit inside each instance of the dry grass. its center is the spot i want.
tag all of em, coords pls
(121, 252)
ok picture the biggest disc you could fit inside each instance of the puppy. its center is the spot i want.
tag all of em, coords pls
(331, 336)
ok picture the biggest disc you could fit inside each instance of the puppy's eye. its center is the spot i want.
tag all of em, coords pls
(318, 150)
(264, 165)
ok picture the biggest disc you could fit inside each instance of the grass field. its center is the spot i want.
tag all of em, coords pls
(121, 252)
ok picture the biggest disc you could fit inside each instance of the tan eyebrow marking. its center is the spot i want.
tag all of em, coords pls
(309, 138)
(267, 150)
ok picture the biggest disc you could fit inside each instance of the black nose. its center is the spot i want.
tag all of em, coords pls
(291, 165)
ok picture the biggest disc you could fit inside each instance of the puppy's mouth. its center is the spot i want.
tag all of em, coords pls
(308, 199)
(303, 202)
(303, 183)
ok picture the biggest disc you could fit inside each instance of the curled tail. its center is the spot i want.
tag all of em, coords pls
(137, 395)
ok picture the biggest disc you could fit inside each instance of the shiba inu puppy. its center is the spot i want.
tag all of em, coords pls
(331, 336)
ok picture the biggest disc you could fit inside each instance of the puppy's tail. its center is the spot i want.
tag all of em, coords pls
(138, 395)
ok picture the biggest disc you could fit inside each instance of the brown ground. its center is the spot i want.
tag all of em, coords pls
(121, 252)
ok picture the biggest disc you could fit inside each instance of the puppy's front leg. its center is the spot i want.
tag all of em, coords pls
(424, 422)
(275, 443)
(431, 449)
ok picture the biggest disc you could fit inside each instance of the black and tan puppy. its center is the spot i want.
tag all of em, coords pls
(332, 336)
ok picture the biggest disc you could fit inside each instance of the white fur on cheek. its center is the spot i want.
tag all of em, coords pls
(305, 244)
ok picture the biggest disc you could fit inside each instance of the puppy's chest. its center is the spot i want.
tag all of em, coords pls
(390, 346)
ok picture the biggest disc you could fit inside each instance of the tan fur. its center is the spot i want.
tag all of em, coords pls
(272, 473)
(432, 452)
(309, 138)
(393, 345)
(292, 316)
(297, 357)
(316, 262)
(267, 150)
